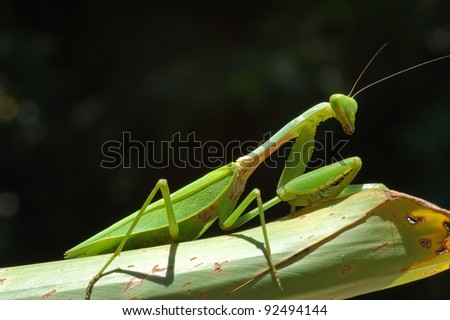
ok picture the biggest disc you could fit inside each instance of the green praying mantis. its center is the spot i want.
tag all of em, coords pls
(187, 213)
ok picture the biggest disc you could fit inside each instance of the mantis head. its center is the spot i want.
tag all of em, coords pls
(345, 108)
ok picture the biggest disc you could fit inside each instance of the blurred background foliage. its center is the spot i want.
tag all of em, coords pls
(75, 74)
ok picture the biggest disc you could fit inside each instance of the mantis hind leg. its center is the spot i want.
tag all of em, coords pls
(162, 186)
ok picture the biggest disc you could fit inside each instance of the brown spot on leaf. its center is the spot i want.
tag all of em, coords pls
(426, 243)
(218, 266)
(48, 294)
(202, 294)
(131, 266)
(134, 282)
(447, 226)
(198, 265)
(187, 284)
(441, 250)
(445, 244)
(193, 258)
(2, 281)
(429, 272)
(156, 269)
(346, 269)
(414, 220)
(384, 245)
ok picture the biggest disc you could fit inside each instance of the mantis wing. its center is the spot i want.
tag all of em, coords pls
(198, 199)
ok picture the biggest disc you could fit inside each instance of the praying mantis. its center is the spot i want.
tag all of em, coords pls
(187, 213)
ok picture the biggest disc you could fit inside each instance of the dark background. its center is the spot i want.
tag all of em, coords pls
(75, 74)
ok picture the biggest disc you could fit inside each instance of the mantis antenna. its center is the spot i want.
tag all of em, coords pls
(365, 68)
(391, 75)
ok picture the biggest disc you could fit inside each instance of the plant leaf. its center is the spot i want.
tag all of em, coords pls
(372, 240)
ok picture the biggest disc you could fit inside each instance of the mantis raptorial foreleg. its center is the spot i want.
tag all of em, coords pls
(326, 183)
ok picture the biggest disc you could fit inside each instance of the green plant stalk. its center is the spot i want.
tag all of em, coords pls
(369, 241)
